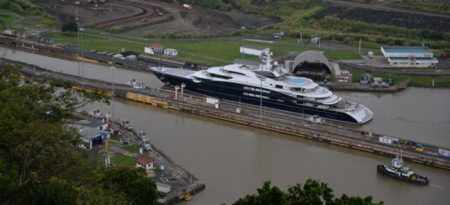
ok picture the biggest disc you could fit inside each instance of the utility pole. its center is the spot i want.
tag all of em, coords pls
(113, 91)
(81, 29)
(359, 47)
(301, 33)
(260, 99)
(78, 35)
(243, 33)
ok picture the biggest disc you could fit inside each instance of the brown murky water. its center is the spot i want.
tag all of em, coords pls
(234, 160)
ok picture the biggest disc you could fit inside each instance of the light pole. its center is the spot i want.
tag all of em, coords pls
(112, 88)
(81, 29)
(260, 98)
(207, 27)
(243, 33)
(301, 33)
(78, 35)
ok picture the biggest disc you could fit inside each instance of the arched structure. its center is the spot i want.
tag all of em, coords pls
(312, 64)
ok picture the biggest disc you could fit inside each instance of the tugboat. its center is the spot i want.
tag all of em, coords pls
(398, 171)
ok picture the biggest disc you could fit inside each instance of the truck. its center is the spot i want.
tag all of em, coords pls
(370, 54)
(9, 32)
(187, 6)
(388, 140)
(444, 153)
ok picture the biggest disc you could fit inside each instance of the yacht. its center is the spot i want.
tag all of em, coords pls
(268, 85)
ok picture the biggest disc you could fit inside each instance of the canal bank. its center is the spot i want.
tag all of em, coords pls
(259, 155)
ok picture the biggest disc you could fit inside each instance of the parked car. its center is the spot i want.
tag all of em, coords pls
(147, 147)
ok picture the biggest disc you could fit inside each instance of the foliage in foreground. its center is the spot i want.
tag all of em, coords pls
(312, 192)
(40, 161)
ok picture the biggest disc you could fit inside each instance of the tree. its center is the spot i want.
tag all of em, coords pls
(70, 26)
(132, 183)
(40, 161)
(268, 194)
(312, 192)
(34, 141)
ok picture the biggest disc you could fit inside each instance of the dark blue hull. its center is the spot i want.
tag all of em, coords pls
(250, 95)
(416, 179)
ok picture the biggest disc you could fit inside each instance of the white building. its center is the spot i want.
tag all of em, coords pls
(253, 50)
(409, 56)
(170, 52)
(93, 133)
(145, 162)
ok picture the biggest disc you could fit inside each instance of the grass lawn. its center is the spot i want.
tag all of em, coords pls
(123, 161)
(417, 81)
(133, 148)
(116, 137)
(343, 55)
(9, 18)
(208, 51)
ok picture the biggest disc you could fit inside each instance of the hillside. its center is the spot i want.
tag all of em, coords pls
(24, 14)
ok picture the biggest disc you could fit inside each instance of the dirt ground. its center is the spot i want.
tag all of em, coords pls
(199, 20)
(88, 13)
(143, 16)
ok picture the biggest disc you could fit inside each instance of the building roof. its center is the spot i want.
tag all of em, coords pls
(406, 49)
(164, 188)
(311, 57)
(156, 46)
(170, 49)
(144, 160)
(88, 132)
(90, 123)
(403, 59)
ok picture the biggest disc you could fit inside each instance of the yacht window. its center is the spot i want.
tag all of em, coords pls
(297, 89)
(279, 86)
(237, 73)
(219, 76)
(266, 74)
(299, 96)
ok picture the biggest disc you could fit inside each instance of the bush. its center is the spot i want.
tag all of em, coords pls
(70, 26)
(214, 4)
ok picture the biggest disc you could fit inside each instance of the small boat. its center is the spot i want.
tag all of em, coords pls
(96, 113)
(398, 171)
(136, 84)
(315, 119)
(132, 82)
(140, 86)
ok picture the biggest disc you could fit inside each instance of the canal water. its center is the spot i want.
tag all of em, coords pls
(234, 160)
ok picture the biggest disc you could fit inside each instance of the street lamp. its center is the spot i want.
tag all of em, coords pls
(260, 98)
(208, 34)
(112, 88)
(81, 29)
(78, 34)
(243, 33)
